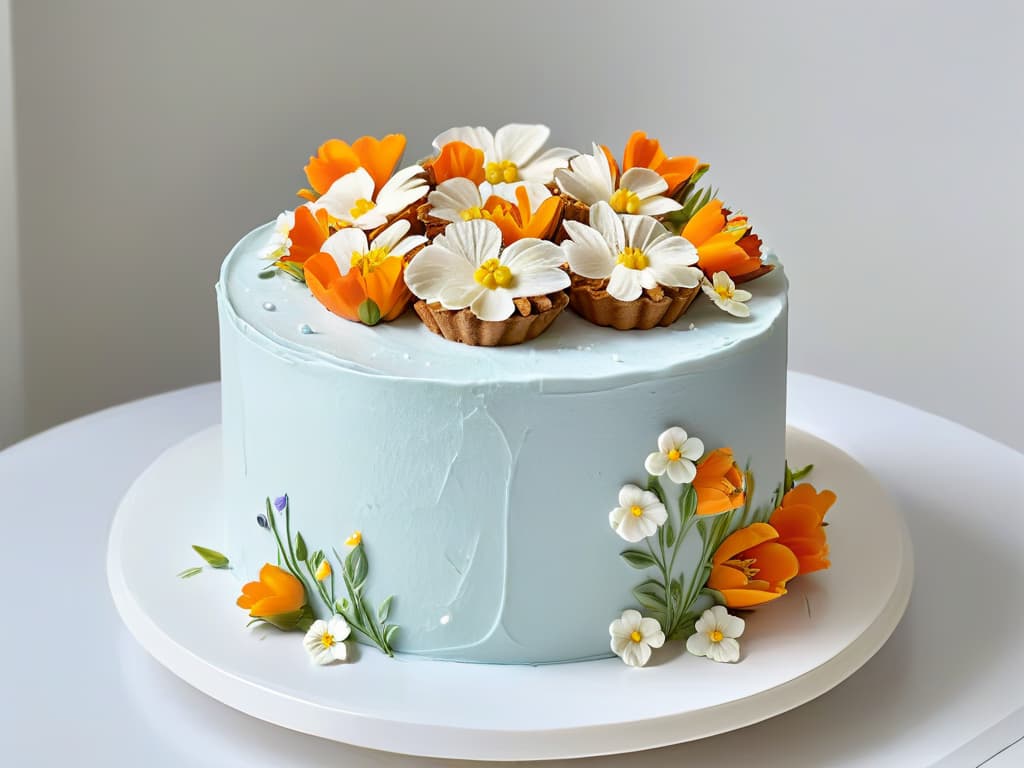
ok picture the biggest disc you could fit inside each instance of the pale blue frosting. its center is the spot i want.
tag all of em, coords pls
(480, 478)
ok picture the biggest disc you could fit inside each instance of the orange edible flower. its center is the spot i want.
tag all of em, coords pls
(342, 294)
(517, 221)
(307, 234)
(642, 152)
(458, 159)
(799, 521)
(724, 244)
(277, 592)
(335, 158)
(719, 483)
(751, 567)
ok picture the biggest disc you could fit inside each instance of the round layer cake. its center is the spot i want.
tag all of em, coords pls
(481, 478)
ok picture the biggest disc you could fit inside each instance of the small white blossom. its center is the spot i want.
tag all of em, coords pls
(633, 636)
(726, 295)
(351, 201)
(514, 153)
(638, 515)
(325, 640)
(280, 242)
(715, 635)
(590, 179)
(675, 455)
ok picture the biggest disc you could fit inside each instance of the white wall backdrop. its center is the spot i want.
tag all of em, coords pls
(12, 420)
(875, 145)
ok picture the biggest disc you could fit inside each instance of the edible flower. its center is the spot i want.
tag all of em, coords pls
(751, 567)
(675, 456)
(725, 243)
(642, 152)
(278, 598)
(800, 521)
(355, 539)
(715, 635)
(350, 271)
(535, 212)
(457, 160)
(718, 483)
(336, 158)
(280, 243)
(631, 252)
(593, 178)
(308, 233)
(325, 640)
(466, 266)
(513, 153)
(723, 291)
(633, 636)
(323, 571)
(639, 514)
(354, 201)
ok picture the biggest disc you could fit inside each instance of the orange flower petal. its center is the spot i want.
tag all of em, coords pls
(379, 156)
(274, 605)
(283, 584)
(742, 540)
(723, 577)
(307, 234)
(706, 222)
(458, 159)
(748, 598)
(333, 160)
(642, 152)
(775, 562)
(611, 164)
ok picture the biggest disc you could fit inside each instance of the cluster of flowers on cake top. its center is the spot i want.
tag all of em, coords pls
(498, 227)
(746, 559)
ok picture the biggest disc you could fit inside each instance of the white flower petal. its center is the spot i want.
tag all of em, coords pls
(672, 249)
(587, 252)
(338, 627)
(452, 197)
(631, 528)
(722, 280)
(391, 236)
(692, 448)
(643, 181)
(542, 169)
(725, 650)
(339, 651)
(643, 232)
(698, 644)
(732, 626)
(343, 244)
(631, 619)
(677, 275)
(493, 305)
(624, 283)
(588, 178)
(639, 653)
(681, 471)
(460, 295)
(658, 206)
(735, 308)
(619, 644)
(407, 244)
(478, 137)
(616, 515)
(650, 629)
(644, 525)
(401, 190)
(605, 220)
(740, 295)
(476, 240)
(437, 267)
(519, 143)
(647, 278)
(656, 463)
(671, 439)
(631, 495)
(656, 513)
(705, 623)
(339, 200)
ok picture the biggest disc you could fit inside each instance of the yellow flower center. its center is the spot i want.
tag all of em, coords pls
(625, 201)
(326, 639)
(674, 455)
(493, 274)
(632, 258)
(635, 636)
(636, 510)
(715, 636)
(746, 567)
(506, 170)
(369, 261)
(476, 212)
(724, 291)
(362, 206)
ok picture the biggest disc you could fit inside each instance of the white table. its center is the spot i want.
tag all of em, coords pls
(946, 689)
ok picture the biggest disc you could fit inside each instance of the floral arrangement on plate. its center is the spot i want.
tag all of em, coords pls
(746, 556)
(495, 234)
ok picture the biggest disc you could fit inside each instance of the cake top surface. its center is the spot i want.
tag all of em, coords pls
(282, 315)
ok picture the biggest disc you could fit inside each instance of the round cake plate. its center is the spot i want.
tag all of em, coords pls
(793, 650)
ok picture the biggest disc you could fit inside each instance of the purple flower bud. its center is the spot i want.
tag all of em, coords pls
(280, 502)
(261, 521)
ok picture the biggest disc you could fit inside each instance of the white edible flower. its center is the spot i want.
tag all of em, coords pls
(350, 248)
(726, 295)
(512, 153)
(590, 179)
(351, 202)
(459, 199)
(633, 636)
(632, 252)
(280, 242)
(638, 515)
(467, 267)
(325, 640)
(715, 635)
(675, 455)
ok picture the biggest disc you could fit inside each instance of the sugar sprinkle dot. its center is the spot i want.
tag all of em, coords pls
(269, 306)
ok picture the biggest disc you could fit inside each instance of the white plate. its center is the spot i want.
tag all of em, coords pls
(795, 649)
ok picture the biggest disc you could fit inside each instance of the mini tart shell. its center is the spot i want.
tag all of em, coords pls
(662, 305)
(532, 317)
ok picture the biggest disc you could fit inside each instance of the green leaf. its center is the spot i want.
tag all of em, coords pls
(316, 558)
(670, 533)
(214, 558)
(266, 274)
(677, 591)
(687, 504)
(638, 558)
(389, 633)
(300, 548)
(341, 606)
(188, 573)
(654, 486)
(385, 609)
(356, 565)
(652, 602)
(369, 312)
(714, 594)
(295, 271)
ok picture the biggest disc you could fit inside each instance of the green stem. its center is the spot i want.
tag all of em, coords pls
(284, 553)
(666, 580)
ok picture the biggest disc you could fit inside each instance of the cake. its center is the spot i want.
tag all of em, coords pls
(508, 406)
